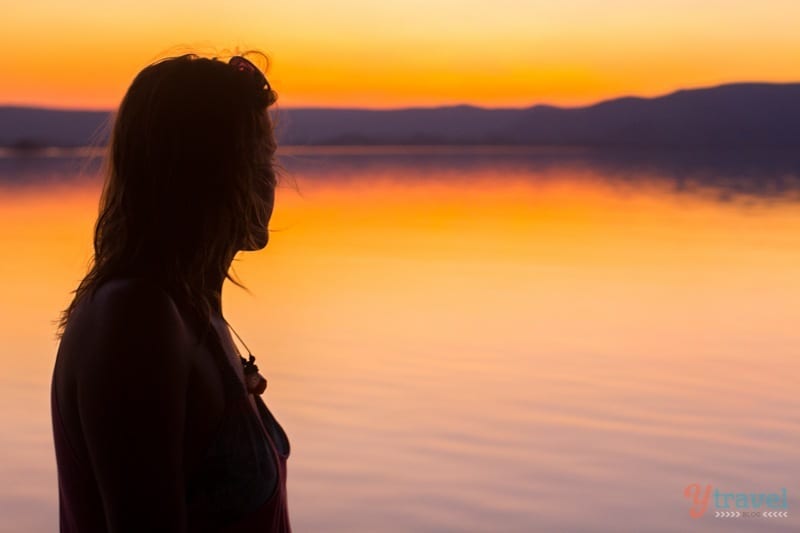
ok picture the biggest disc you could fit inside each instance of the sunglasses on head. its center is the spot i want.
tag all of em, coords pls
(243, 65)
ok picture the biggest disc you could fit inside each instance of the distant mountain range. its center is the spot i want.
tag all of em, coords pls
(734, 115)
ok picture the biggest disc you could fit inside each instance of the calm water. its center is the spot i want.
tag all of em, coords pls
(487, 340)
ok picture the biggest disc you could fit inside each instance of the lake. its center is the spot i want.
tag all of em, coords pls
(474, 339)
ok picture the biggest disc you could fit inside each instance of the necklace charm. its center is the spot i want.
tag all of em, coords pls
(255, 382)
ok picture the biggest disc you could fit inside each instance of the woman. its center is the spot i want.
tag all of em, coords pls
(158, 421)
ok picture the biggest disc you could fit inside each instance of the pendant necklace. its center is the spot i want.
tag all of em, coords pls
(254, 381)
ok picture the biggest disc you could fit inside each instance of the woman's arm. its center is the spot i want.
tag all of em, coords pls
(132, 404)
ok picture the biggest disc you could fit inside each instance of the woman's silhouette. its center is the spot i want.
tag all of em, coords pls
(158, 421)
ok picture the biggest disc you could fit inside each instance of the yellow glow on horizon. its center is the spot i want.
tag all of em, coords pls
(366, 54)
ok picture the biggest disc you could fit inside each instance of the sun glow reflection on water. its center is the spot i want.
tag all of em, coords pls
(472, 347)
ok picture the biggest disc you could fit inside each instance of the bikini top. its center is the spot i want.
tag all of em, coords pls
(241, 483)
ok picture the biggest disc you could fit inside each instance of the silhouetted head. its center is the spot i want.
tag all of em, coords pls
(190, 178)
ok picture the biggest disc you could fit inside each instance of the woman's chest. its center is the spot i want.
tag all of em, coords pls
(233, 467)
(218, 374)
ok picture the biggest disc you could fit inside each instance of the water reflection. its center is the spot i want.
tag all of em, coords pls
(472, 341)
(724, 175)
(720, 174)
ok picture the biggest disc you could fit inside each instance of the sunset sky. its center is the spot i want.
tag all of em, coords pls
(360, 53)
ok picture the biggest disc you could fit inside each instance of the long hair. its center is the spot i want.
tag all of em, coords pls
(189, 171)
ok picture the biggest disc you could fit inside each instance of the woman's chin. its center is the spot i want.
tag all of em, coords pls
(259, 242)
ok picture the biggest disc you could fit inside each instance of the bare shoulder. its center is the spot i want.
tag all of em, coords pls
(131, 389)
(131, 325)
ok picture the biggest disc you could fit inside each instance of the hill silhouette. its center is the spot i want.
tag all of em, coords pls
(740, 114)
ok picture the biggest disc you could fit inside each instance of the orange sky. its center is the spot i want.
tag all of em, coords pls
(369, 53)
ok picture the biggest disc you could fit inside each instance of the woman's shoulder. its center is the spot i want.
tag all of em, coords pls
(128, 294)
(127, 302)
(123, 324)
(128, 357)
